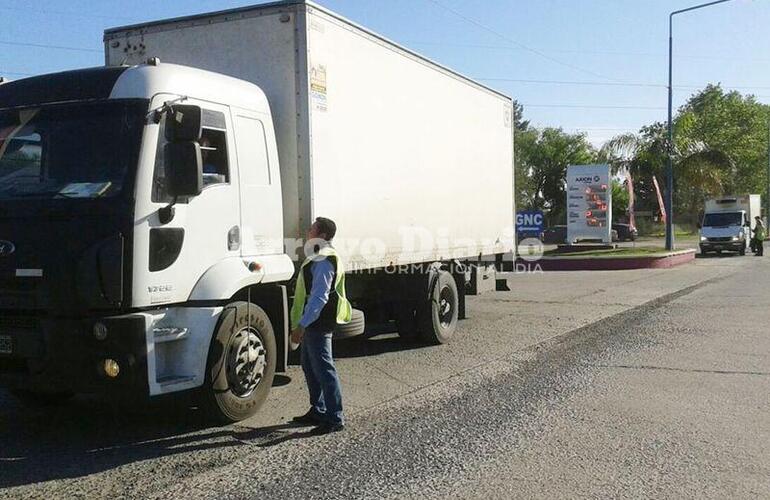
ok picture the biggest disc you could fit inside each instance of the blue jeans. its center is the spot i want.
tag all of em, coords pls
(321, 375)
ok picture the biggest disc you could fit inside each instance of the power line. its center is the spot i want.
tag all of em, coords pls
(14, 73)
(586, 52)
(567, 82)
(516, 43)
(67, 13)
(46, 46)
(618, 84)
(591, 106)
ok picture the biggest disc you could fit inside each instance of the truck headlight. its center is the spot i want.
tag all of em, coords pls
(738, 238)
(703, 238)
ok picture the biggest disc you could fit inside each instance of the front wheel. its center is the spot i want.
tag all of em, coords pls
(241, 363)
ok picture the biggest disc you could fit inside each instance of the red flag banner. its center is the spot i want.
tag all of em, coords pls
(660, 199)
(631, 207)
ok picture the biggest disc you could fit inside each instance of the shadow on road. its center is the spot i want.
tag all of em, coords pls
(723, 255)
(88, 435)
(362, 347)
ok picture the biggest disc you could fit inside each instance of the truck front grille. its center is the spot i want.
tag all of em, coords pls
(18, 294)
(18, 323)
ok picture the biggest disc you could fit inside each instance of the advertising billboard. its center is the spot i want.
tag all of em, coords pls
(589, 203)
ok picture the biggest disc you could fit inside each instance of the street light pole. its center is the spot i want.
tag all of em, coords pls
(669, 164)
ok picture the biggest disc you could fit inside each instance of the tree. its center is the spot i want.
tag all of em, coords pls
(543, 157)
(719, 148)
(619, 201)
(518, 113)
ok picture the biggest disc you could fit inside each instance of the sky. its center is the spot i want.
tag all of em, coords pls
(594, 66)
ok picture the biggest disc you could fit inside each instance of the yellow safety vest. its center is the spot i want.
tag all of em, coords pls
(344, 309)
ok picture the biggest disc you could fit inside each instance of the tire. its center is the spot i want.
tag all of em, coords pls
(33, 399)
(356, 327)
(241, 363)
(742, 251)
(438, 319)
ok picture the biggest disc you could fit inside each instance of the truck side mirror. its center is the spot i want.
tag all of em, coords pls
(184, 168)
(699, 225)
(183, 123)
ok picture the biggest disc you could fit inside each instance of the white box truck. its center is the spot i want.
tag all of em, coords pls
(150, 209)
(727, 223)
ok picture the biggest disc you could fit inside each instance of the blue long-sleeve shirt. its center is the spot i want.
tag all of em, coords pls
(323, 281)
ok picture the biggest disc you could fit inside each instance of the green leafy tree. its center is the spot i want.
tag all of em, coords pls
(543, 157)
(619, 201)
(719, 148)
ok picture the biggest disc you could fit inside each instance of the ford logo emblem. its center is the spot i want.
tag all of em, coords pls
(6, 248)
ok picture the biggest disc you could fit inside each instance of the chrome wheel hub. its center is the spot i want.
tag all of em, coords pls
(246, 362)
(445, 307)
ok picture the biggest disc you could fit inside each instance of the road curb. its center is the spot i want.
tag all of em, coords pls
(608, 262)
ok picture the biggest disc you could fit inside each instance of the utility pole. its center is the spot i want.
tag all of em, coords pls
(669, 164)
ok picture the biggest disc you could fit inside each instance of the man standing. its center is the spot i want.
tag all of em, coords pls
(759, 237)
(319, 304)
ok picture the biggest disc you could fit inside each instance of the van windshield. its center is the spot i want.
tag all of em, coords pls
(723, 219)
(83, 150)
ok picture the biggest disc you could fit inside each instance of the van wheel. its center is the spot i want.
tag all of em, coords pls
(355, 327)
(438, 319)
(241, 363)
(742, 251)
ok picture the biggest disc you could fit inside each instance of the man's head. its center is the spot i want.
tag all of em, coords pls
(322, 228)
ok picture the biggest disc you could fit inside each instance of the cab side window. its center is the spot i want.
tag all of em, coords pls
(213, 144)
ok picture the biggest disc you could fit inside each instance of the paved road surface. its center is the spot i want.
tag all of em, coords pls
(650, 383)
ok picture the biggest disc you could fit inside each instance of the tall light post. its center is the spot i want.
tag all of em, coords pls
(669, 165)
(767, 198)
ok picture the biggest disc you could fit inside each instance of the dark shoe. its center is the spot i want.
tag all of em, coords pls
(312, 417)
(327, 428)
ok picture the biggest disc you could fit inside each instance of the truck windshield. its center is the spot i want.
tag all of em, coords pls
(82, 150)
(723, 219)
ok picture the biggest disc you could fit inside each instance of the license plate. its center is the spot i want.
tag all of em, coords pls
(6, 344)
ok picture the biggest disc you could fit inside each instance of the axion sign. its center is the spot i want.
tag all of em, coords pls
(589, 203)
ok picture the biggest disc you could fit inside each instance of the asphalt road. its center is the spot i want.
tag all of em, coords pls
(650, 383)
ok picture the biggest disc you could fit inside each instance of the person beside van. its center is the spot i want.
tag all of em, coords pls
(759, 237)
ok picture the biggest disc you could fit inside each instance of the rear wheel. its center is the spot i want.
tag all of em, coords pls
(241, 363)
(438, 320)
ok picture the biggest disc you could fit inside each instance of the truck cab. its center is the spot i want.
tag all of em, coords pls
(140, 209)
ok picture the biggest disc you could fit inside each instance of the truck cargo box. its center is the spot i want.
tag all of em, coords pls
(413, 160)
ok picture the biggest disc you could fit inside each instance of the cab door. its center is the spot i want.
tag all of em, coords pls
(204, 228)
(261, 218)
